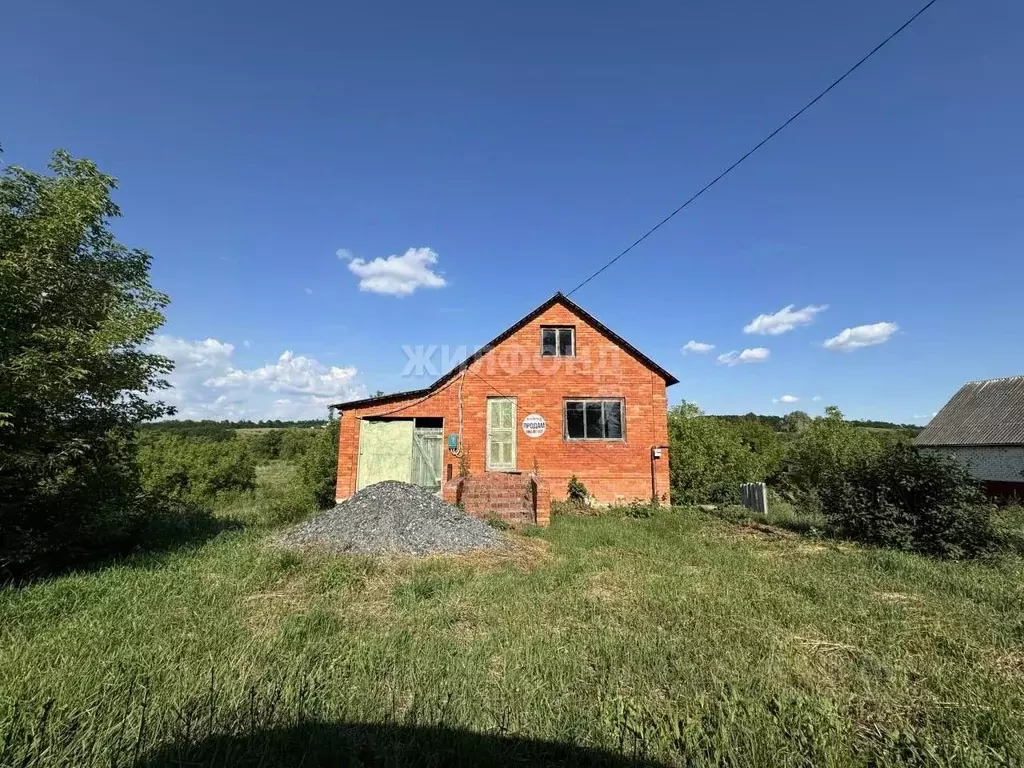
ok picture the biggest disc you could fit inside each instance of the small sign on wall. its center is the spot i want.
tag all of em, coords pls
(534, 425)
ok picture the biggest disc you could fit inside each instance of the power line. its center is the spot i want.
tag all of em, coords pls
(757, 146)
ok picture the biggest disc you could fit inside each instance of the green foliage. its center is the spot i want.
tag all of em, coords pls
(827, 447)
(266, 446)
(796, 422)
(203, 430)
(709, 457)
(637, 510)
(194, 470)
(76, 311)
(496, 522)
(903, 499)
(464, 463)
(296, 442)
(577, 492)
(318, 466)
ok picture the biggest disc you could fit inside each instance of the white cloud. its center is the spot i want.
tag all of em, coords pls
(755, 355)
(397, 275)
(786, 399)
(344, 254)
(309, 291)
(786, 319)
(862, 336)
(697, 347)
(816, 398)
(246, 343)
(206, 385)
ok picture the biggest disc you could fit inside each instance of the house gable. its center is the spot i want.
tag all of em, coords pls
(546, 314)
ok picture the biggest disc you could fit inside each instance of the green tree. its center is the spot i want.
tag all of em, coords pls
(796, 422)
(829, 445)
(708, 457)
(76, 311)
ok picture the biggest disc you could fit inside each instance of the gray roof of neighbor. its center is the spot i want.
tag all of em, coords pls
(987, 412)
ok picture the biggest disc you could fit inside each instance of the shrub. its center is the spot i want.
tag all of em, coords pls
(318, 466)
(903, 499)
(709, 457)
(266, 446)
(295, 442)
(577, 492)
(194, 470)
(638, 510)
(829, 446)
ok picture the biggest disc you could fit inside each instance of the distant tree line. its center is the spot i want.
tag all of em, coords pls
(190, 424)
(799, 420)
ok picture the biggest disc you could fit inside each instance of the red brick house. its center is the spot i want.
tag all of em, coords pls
(558, 393)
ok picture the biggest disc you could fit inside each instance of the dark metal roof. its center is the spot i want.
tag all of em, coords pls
(558, 298)
(987, 412)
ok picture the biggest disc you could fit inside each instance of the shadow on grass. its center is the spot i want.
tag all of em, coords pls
(363, 744)
(144, 545)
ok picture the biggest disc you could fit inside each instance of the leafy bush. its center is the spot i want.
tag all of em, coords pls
(266, 446)
(296, 442)
(318, 466)
(637, 510)
(194, 470)
(903, 499)
(829, 446)
(577, 492)
(710, 457)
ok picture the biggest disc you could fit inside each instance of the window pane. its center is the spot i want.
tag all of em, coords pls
(495, 452)
(613, 419)
(594, 420)
(574, 419)
(565, 342)
(549, 347)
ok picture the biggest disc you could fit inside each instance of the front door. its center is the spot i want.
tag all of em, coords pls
(501, 434)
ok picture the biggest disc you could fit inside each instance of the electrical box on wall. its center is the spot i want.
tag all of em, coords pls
(657, 453)
(453, 443)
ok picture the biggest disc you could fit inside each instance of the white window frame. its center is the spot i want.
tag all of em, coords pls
(565, 419)
(490, 466)
(559, 330)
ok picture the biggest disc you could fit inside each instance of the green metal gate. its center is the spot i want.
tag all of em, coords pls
(398, 450)
(385, 452)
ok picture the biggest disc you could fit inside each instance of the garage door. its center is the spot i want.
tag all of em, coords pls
(385, 452)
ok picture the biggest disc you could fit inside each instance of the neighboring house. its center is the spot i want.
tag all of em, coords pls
(558, 392)
(982, 427)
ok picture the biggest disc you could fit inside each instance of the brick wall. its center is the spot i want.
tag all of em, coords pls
(612, 471)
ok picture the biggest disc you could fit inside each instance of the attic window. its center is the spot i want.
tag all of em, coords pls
(557, 341)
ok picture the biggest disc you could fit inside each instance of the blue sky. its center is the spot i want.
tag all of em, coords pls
(524, 144)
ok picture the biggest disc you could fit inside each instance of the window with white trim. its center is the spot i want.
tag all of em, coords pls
(594, 419)
(557, 341)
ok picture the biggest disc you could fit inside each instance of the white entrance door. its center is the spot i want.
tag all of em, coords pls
(501, 434)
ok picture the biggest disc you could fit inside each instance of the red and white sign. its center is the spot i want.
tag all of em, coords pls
(534, 425)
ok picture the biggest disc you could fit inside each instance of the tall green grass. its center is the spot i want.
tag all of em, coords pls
(679, 638)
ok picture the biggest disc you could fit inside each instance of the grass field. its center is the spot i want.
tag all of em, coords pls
(677, 639)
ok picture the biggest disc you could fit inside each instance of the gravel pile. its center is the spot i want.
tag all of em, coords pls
(394, 518)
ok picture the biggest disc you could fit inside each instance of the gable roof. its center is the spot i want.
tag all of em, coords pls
(989, 412)
(558, 298)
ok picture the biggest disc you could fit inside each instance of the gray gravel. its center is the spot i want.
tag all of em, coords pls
(394, 518)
